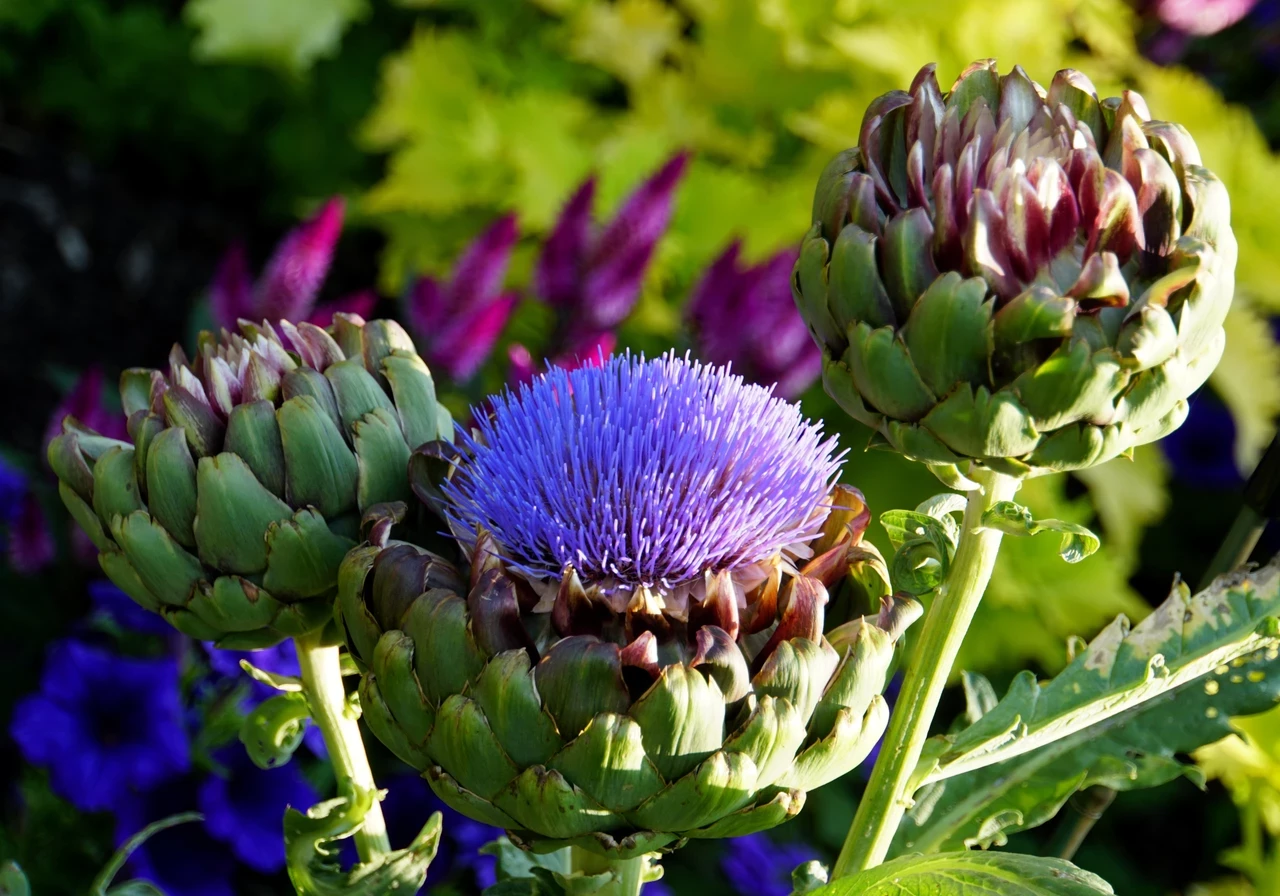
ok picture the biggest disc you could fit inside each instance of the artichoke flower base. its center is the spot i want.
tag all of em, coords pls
(580, 740)
(248, 472)
(1027, 279)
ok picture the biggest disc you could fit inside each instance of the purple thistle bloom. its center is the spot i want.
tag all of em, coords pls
(245, 809)
(594, 275)
(757, 866)
(290, 282)
(745, 316)
(643, 473)
(456, 323)
(103, 724)
(182, 860)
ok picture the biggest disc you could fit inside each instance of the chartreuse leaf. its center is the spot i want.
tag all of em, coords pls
(1012, 518)
(311, 848)
(290, 34)
(274, 730)
(1119, 715)
(969, 874)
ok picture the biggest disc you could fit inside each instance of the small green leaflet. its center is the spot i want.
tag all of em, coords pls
(970, 874)
(1012, 518)
(312, 851)
(924, 541)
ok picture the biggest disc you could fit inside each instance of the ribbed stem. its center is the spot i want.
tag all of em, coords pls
(630, 872)
(886, 798)
(327, 697)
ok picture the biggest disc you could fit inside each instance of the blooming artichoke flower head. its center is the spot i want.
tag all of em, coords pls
(635, 652)
(247, 470)
(1029, 279)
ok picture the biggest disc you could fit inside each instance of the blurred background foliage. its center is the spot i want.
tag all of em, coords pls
(139, 138)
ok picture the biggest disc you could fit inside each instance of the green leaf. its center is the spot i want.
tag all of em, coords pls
(287, 683)
(274, 729)
(1119, 715)
(311, 850)
(1012, 518)
(290, 34)
(924, 545)
(121, 855)
(808, 877)
(13, 882)
(971, 874)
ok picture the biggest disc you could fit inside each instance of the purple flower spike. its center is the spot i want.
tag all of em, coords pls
(593, 275)
(457, 322)
(590, 352)
(581, 467)
(87, 403)
(231, 293)
(1202, 17)
(745, 316)
(103, 724)
(293, 276)
(31, 546)
(361, 304)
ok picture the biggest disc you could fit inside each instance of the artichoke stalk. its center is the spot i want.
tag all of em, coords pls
(247, 471)
(630, 649)
(1025, 279)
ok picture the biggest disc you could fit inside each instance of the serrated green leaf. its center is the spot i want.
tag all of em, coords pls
(1119, 715)
(1012, 518)
(290, 34)
(311, 849)
(970, 874)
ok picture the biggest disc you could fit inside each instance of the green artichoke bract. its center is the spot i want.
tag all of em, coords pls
(673, 679)
(249, 471)
(1030, 280)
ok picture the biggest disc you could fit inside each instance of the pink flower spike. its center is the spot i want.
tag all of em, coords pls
(360, 304)
(231, 292)
(31, 546)
(522, 369)
(292, 278)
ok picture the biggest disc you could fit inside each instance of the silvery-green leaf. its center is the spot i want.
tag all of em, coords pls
(1184, 639)
(311, 850)
(968, 874)
(1012, 518)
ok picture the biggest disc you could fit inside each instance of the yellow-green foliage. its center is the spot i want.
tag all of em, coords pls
(506, 105)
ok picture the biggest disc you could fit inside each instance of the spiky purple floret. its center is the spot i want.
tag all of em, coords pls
(643, 473)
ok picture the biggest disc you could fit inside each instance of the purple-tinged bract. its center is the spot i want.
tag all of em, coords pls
(644, 473)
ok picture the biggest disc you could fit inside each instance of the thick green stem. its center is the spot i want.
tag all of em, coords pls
(327, 697)
(886, 798)
(630, 872)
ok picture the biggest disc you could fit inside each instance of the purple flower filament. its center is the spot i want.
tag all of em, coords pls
(643, 473)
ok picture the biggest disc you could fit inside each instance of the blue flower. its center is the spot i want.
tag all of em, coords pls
(244, 807)
(183, 860)
(757, 866)
(282, 659)
(103, 724)
(110, 601)
(408, 804)
(643, 474)
(13, 488)
(1202, 451)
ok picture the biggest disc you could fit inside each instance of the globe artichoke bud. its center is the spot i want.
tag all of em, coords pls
(630, 651)
(1028, 279)
(247, 472)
